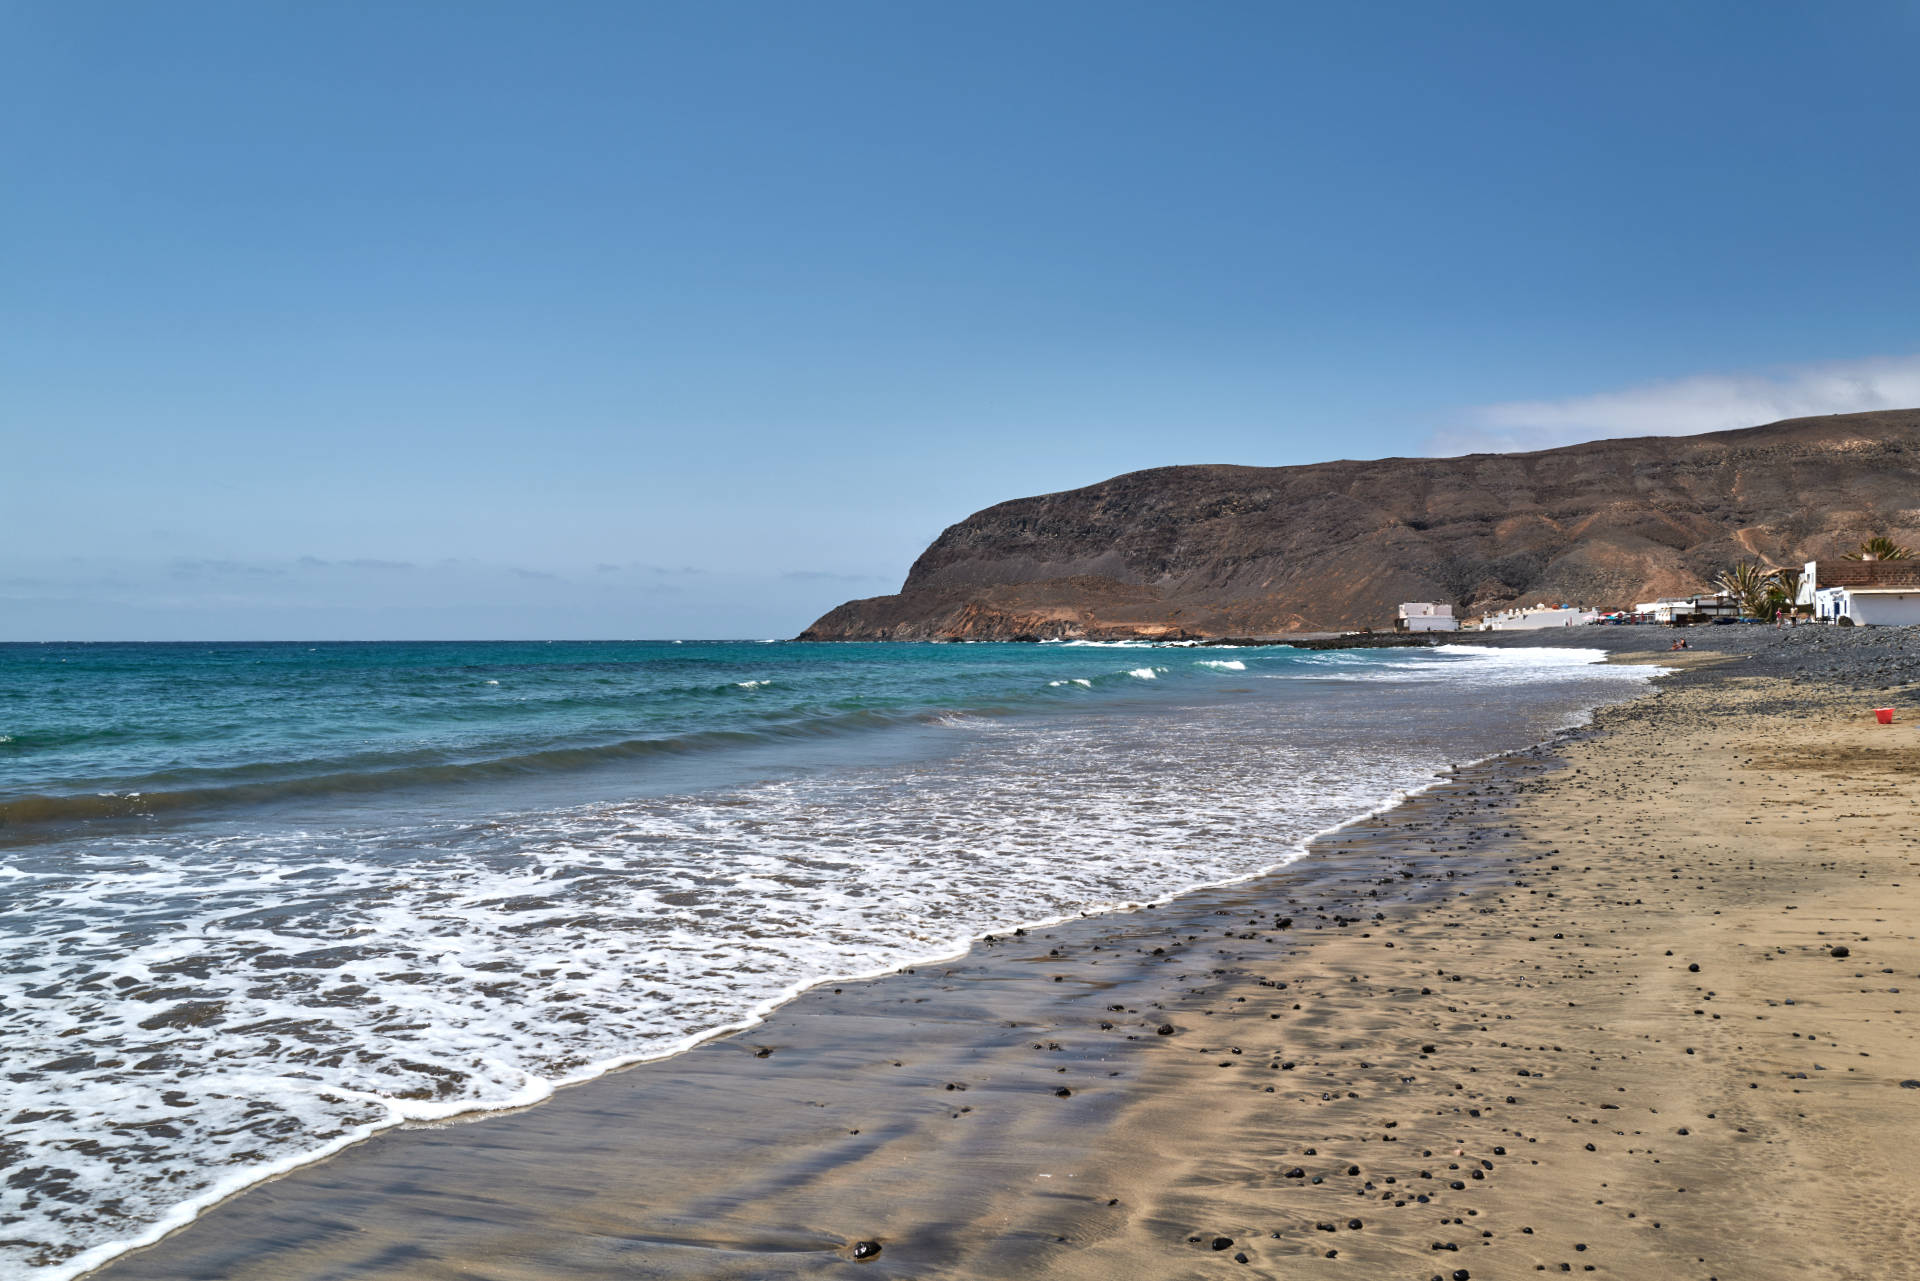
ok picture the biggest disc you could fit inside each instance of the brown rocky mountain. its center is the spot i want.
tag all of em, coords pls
(1248, 551)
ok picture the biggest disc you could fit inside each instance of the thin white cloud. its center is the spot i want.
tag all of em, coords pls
(1687, 406)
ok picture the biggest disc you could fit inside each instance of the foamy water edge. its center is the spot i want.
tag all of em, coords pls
(537, 1090)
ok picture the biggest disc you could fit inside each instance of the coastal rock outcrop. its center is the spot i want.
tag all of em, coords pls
(1210, 551)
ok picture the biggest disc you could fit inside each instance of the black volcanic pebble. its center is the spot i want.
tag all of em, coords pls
(1296, 1173)
(1693, 969)
(1221, 1243)
(865, 1249)
(1165, 1029)
(1910, 1085)
(1063, 1092)
(1354, 1224)
(1839, 952)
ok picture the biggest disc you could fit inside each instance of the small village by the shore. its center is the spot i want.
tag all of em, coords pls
(1876, 585)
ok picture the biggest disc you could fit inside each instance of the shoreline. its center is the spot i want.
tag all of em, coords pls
(101, 1260)
(551, 1214)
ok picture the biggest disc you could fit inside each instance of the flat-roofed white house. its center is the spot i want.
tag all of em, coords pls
(1426, 616)
(1527, 617)
(1689, 609)
(1867, 592)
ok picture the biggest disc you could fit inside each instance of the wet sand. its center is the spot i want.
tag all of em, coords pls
(1575, 1010)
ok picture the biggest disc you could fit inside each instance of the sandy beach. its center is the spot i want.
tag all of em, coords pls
(1639, 1002)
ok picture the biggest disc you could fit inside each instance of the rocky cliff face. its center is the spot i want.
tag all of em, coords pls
(1248, 551)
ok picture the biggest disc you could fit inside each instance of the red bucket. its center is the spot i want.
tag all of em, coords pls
(1884, 715)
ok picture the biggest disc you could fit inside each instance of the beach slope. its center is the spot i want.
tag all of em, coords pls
(1642, 1003)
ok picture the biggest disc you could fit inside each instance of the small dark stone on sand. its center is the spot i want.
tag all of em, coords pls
(1910, 1085)
(1693, 969)
(865, 1249)
(1354, 1224)
(1221, 1243)
(1165, 1029)
(1840, 951)
(1063, 1092)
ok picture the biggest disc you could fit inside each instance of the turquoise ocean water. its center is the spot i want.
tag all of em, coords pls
(258, 901)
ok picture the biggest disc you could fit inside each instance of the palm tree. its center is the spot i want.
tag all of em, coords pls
(1880, 547)
(1783, 590)
(1750, 584)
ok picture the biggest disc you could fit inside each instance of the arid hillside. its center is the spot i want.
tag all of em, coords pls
(1252, 551)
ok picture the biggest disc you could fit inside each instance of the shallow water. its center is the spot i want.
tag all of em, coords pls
(262, 900)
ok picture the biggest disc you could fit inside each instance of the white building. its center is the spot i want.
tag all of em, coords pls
(1867, 592)
(1533, 616)
(1689, 609)
(1426, 616)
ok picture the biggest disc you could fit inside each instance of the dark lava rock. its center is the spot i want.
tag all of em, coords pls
(1063, 1093)
(1839, 952)
(1693, 969)
(866, 1249)
(1221, 1243)
(1165, 1029)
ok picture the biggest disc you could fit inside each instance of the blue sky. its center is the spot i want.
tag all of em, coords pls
(471, 319)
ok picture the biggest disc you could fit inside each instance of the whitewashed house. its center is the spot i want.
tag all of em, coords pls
(1689, 609)
(1527, 617)
(1426, 616)
(1867, 592)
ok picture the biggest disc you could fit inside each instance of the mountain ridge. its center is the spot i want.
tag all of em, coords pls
(1216, 549)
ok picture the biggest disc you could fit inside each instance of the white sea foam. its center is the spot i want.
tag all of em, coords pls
(194, 1010)
(752, 684)
(1221, 664)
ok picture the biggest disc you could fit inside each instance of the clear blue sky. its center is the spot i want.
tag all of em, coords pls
(481, 319)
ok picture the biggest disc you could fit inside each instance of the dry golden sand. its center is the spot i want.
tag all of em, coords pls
(1520, 1037)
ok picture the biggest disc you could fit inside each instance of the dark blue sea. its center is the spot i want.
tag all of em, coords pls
(258, 901)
